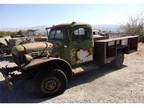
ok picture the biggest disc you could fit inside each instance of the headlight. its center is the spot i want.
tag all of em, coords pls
(28, 58)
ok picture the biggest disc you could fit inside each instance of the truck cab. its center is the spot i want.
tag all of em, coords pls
(75, 40)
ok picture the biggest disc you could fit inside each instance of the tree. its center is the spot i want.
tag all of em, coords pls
(134, 26)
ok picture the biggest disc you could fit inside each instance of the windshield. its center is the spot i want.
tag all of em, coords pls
(56, 34)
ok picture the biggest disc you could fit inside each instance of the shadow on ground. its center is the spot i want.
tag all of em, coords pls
(6, 58)
(20, 95)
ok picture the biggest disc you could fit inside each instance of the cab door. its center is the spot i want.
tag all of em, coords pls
(81, 45)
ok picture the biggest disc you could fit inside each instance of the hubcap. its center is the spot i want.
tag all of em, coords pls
(50, 85)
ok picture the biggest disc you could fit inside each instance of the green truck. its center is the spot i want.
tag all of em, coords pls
(50, 65)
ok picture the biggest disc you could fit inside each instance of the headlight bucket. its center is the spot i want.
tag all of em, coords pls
(28, 58)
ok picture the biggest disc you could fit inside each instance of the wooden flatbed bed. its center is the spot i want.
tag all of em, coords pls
(106, 50)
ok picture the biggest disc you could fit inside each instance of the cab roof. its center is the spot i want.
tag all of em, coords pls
(70, 24)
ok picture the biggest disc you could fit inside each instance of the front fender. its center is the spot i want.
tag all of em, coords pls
(43, 64)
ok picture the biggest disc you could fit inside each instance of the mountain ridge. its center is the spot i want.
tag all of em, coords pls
(105, 27)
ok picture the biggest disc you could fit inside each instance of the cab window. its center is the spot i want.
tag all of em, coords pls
(81, 33)
(56, 34)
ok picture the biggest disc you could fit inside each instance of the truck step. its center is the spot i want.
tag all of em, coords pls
(85, 68)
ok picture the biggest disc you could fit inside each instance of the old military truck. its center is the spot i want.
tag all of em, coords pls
(49, 65)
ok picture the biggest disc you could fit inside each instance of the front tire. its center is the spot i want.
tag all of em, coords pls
(50, 84)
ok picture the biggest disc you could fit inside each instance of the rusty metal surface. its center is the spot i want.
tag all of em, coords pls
(106, 50)
(37, 45)
(35, 62)
(114, 39)
(41, 38)
(39, 61)
(30, 47)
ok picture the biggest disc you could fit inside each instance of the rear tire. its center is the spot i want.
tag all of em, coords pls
(50, 84)
(118, 62)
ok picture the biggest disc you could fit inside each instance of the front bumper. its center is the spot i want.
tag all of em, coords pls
(8, 80)
(9, 76)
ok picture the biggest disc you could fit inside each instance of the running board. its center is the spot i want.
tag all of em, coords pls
(85, 68)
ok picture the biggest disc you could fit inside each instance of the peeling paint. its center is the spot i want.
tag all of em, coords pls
(84, 56)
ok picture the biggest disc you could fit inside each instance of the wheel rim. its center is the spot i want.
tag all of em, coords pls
(50, 85)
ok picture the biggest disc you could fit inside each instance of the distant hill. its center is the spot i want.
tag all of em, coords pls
(11, 29)
(112, 28)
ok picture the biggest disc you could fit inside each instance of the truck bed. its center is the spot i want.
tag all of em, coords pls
(105, 50)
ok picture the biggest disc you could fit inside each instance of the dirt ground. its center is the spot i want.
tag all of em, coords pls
(103, 85)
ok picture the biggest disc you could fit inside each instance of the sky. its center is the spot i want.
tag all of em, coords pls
(24, 15)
